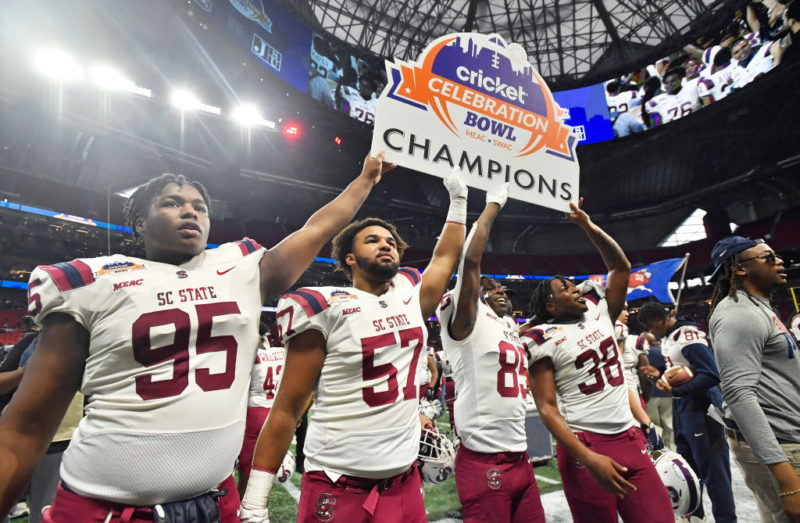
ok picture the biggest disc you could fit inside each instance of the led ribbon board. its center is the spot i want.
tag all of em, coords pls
(475, 102)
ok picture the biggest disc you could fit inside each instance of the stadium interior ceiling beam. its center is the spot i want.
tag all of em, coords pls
(390, 30)
(470, 22)
(605, 17)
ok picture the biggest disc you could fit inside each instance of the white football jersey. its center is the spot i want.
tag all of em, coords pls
(171, 348)
(489, 372)
(266, 377)
(590, 382)
(722, 82)
(365, 420)
(672, 345)
(622, 102)
(794, 326)
(360, 109)
(675, 106)
(423, 372)
(763, 61)
(633, 347)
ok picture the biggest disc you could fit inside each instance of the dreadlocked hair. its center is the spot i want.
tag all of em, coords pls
(727, 285)
(139, 202)
(342, 244)
(541, 295)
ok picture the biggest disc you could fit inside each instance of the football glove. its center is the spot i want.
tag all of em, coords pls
(654, 439)
(498, 195)
(254, 515)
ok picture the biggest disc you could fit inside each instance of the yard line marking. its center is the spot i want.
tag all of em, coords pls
(547, 480)
(291, 489)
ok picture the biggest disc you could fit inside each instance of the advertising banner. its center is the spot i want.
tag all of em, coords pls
(475, 102)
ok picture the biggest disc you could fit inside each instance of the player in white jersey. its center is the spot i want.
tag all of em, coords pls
(724, 77)
(634, 354)
(494, 476)
(162, 348)
(264, 382)
(357, 350)
(355, 105)
(621, 101)
(679, 100)
(580, 392)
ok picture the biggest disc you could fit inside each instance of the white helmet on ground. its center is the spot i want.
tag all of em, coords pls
(431, 409)
(681, 481)
(287, 468)
(437, 457)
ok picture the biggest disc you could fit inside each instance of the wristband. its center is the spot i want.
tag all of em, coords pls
(259, 485)
(789, 493)
(457, 213)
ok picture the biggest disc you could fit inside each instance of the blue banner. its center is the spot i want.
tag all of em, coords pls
(588, 113)
(649, 280)
(277, 40)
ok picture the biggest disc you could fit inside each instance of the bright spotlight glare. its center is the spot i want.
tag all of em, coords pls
(185, 101)
(106, 77)
(57, 64)
(246, 115)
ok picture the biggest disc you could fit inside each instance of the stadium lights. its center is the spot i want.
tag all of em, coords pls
(186, 101)
(246, 115)
(110, 79)
(57, 64)
(292, 131)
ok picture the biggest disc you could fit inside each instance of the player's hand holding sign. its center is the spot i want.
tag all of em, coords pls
(375, 167)
(498, 196)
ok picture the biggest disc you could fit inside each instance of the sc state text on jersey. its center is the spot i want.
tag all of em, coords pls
(186, 295)
(391, 322)
(591, 338)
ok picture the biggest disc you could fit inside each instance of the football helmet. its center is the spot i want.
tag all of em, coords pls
(431, 409)
(287, 468)
(681, 481)
(436, 458)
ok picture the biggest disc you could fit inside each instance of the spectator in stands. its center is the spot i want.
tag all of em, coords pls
(791, 43)
(759, 367)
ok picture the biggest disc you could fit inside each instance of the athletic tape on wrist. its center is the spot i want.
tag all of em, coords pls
(457, 213)
(259, 485)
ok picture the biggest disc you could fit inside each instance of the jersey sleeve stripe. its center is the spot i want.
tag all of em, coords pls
(412, 274)
(312, 301)
(248, 246)
(640, 343)
(71, 275)
(536, 335)
(592, 296)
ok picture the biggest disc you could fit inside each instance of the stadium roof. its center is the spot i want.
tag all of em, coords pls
(567, 40)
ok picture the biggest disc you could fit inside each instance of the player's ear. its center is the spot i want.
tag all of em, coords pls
(740, 271)
(350, 259)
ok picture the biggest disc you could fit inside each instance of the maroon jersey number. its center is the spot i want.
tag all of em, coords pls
(370, 371)
(178, 350)
(602, 364)
(514, 368)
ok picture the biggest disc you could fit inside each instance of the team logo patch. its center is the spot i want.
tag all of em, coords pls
(341, 295)
(674, 497)
(325, 507)
(182, 274)
(493, 475)
(551, 331)
(382, 304)
(113, 268)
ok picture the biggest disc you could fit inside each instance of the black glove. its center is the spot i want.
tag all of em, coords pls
(654, 439)
(430, 394)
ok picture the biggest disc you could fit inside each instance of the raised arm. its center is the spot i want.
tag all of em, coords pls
(469, 275)
(28, 423)
(617, 264)
(605, 470)
(282, 265)
(448, 249)
(305, 355)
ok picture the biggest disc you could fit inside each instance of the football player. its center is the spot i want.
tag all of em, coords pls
(264, 382)
(618, 100)
(634, 355)
(580, 392)
(357, 349)
(758, 58)
(724, 77)
(162, 348)
(494, 476)
(679, 100)
(698, 438)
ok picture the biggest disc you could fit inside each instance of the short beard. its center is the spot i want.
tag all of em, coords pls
(377, 270)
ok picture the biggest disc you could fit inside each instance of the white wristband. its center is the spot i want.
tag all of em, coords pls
(259, 485)
(458, 211)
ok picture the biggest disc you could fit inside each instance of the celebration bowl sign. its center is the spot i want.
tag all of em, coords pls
(475, 102)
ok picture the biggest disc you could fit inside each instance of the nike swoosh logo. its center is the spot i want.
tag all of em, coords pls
(226, 271)
(598, 317)
(698, 435)
(644, 451)
(406, 302)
